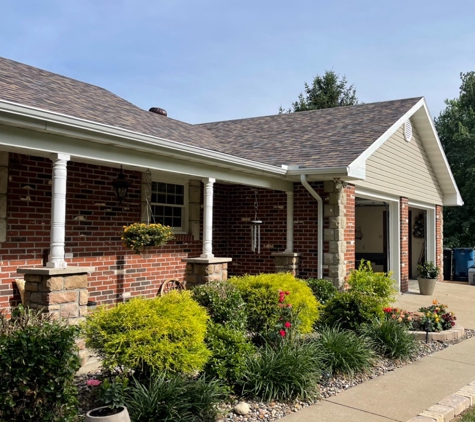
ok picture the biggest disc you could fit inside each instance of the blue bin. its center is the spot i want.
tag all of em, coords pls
(463, 260)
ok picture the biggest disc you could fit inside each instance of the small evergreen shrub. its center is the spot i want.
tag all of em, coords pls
(282, 373)
(261, 294)
(323, 289)
(224, 303)
(174, 398)
(391, 339)
(343, 352)
(229, 349)
(38, 361)
(349, 309)
(379, 285)
(145, 335)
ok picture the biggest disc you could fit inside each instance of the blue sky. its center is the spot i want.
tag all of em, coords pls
(215, 60)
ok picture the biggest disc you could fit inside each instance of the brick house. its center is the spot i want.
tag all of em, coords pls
(330, 186)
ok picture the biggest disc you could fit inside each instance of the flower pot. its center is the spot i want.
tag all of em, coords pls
(98, 415)
(426, 285)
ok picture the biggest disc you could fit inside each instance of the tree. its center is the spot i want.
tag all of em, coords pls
(327, 91)
(456, 128)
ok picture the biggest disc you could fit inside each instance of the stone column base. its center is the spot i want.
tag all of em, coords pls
(61, 292)
(287, 262)
(203, 270)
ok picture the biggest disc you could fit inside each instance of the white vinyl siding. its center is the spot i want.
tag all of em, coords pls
(402, 168)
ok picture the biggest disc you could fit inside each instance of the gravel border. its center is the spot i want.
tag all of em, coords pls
(273, 411)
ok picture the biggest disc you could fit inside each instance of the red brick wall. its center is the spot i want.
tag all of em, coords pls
(404, 242)
(439, 242)
(350, 215)
(233, 238)
(94, 222)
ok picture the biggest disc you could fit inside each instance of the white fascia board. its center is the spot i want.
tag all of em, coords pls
(44, 143)
(64, 125)
(452, 195)
(452, 198)
(377, 196)
(421, 205)
(345, 173)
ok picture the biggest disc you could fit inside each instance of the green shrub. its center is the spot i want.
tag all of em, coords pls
(174, 398)
(349, 309)
(343, 352)
(379, 285)
(223, 302)
(323, 289)
(261, 295)
(164, 333)
(229, 350)
(282, 373)
(391, 339)
(38, 361)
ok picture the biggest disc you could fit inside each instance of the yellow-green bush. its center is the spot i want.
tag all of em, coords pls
(261, 294)
(165, 333)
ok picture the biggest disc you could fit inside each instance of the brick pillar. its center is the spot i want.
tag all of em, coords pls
(286, 262)
(339, 233)
(439, 239)
(203, 270)
(404, 241)
(59, 291)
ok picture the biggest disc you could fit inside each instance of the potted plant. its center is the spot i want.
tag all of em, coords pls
(139, 236)
(112, 395)
(427, 274)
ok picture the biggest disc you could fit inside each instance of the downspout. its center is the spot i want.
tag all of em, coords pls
(303, 180)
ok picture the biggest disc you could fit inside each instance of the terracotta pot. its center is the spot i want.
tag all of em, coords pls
(427, 286)
(121, 416)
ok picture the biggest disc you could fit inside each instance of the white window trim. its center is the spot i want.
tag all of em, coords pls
(186, 208)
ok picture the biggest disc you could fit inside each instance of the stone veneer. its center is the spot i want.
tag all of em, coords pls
(336, 233)
(59, 291)
(203, 270)
(287, 262)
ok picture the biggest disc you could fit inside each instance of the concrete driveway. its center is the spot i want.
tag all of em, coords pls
(458, 296)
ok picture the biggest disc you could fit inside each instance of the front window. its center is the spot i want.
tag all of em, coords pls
(168, 204)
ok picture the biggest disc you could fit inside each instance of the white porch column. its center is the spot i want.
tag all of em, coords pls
(208, 219)
(58, 211)
(290, 222)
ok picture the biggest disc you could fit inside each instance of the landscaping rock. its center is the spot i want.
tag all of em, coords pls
(242, 408)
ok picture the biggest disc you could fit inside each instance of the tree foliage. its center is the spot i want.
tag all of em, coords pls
(327, 91)
(456, 128)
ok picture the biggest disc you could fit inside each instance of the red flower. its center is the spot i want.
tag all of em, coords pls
(93, 383)
(282, 333)
(287, 324)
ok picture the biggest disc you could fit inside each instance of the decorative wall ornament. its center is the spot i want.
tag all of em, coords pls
(419, 227)
(358, 233)
(256, 228)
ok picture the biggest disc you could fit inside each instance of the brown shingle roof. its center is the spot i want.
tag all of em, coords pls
(38, 88)
(313, 139)
(331, 137)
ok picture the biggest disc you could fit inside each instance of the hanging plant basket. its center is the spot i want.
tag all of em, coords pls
(139, 236)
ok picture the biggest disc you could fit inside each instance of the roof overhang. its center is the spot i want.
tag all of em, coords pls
(420, 115)
(94, 142)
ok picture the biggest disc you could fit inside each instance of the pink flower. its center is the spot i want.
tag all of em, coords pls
(93, 383)
(287, 324)
(282, 333)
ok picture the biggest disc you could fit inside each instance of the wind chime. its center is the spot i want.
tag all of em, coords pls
(256, 228)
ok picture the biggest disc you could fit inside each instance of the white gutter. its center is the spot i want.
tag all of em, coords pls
(303, 180)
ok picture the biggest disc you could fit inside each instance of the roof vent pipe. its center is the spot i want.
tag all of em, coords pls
(158, 110)
(303, 180)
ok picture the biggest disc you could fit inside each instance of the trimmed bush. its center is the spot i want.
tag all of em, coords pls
(38, 361)
(323, 289)
(224, 304)
(174, 398)
(284, 373)
(146, 335)
(343, 352)
(261, 295)
(349, 309)
(391, 339)
(379, 285)
(229, 350)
